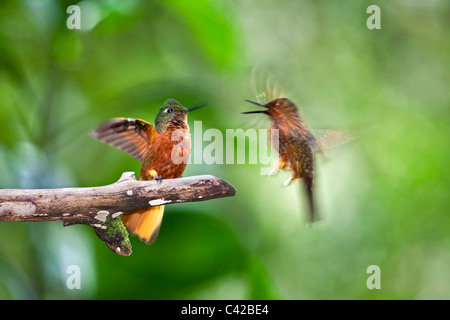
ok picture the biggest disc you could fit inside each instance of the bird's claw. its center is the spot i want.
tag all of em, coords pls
(287, 181)
(272, 171)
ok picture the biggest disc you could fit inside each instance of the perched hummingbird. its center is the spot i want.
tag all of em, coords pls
(162, 150)
(296, 145)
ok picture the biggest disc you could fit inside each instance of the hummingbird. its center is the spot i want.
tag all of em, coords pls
(163, 151)
(295, 146)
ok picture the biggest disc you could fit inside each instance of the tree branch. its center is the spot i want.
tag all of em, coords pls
(101, 207)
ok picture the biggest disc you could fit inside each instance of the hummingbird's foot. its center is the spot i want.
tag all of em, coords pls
(153, 173)
(288, 181)
(275, 168)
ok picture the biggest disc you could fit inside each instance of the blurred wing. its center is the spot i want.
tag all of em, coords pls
(327, 139)
(264, 86)
(129, 135)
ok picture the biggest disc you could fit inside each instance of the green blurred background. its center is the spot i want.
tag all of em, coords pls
(383, 198)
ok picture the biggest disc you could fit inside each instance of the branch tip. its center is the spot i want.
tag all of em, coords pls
(127, 176)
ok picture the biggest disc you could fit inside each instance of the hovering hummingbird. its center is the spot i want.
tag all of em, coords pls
(154, 147)
(296, 145)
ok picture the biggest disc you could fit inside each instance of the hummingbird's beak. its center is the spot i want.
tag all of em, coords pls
(197, 107)
(258, 104)
(258, 111)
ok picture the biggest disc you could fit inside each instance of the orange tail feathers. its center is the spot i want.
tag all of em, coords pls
(144, 222)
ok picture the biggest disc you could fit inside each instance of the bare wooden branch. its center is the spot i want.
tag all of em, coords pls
(101, 207)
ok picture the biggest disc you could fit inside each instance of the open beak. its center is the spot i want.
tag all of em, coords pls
(258, 111)
(196, 107)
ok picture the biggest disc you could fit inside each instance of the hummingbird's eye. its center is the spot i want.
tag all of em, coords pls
(169, 110)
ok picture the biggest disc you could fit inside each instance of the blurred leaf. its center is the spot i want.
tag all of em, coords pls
(208, 19)
(191, 251)
(383, 198)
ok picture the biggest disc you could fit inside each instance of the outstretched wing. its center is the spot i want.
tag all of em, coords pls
(126, 134)
(327, 139)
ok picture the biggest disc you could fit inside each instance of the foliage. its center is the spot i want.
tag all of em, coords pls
(383, 198)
